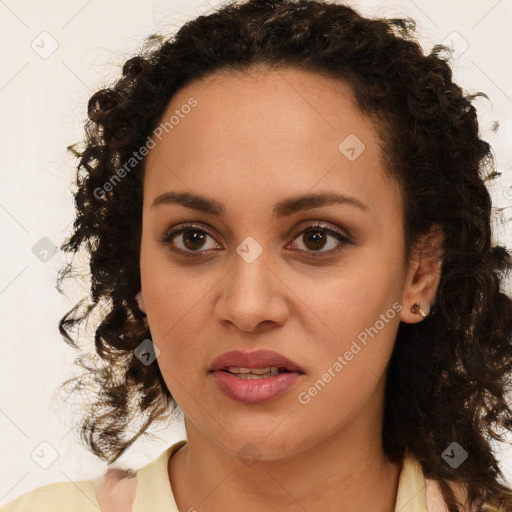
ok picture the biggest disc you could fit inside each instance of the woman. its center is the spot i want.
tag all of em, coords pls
(290, 193)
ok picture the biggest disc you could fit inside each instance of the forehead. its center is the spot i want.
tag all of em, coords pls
(283, 129)
(258, 106)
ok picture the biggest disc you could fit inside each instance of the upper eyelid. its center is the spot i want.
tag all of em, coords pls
(305, 225)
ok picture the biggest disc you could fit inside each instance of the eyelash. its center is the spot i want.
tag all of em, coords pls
(167, 238)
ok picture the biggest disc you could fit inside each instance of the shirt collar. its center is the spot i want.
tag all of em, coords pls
(155, 493)
(411, 495)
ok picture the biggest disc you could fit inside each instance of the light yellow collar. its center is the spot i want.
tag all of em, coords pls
(411, 496)
(153, 489)
(155, 493)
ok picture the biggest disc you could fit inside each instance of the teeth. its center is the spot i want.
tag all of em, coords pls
(253, 373)
(251, 376)
(257, 371)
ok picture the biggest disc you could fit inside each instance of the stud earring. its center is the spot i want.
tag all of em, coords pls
(140, 302)
(415, 308)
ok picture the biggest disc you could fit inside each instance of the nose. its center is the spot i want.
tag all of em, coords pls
(254, 298)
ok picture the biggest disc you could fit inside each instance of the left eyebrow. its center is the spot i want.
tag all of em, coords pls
(309, 201)
(281, 209)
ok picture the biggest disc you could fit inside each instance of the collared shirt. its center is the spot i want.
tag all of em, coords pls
(154, 492)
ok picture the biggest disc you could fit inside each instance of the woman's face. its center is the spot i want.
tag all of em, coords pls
(253, 277)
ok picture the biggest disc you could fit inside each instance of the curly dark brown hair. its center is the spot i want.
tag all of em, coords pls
(449, 375)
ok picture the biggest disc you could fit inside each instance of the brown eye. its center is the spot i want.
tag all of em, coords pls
(318, 240)
(188, 239)
(193, 239)
(316, 237)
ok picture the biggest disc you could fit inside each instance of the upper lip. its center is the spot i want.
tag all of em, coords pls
(254, 359)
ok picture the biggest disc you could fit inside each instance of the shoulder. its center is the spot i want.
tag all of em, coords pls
(425, 494)
(114, 491)
(58, 497)
(435, 499)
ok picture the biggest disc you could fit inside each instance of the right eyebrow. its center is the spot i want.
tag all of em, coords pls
(281, 209)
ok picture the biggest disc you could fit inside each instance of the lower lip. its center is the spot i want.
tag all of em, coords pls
(254, 391)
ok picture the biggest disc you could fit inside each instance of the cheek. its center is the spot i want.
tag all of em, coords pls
(351, 363)
(347, 302)
(176, 325)
(176, 315)
(172, 294)
(177, 307)
(355, 321)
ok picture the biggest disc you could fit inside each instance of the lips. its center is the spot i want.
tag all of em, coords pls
(255, 377)
(254, 359)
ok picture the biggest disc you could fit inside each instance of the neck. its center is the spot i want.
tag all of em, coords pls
(343, 472)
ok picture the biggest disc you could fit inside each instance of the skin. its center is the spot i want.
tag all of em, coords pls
(254, 139)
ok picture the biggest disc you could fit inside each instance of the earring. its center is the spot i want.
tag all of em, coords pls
(415, 308)
(140, 302)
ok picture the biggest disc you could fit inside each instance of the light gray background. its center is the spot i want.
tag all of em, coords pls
(43, 98)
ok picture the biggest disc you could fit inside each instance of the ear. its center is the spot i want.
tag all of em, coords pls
(140, 301)
(423, 275)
